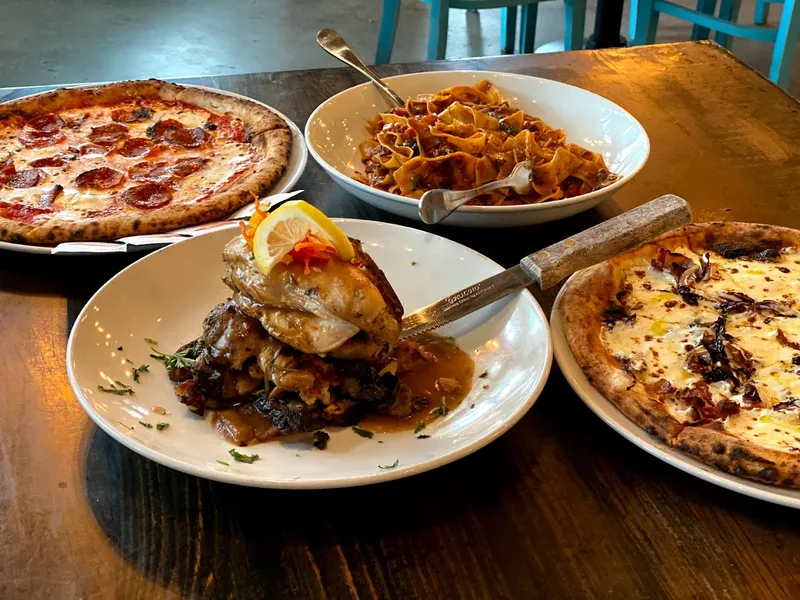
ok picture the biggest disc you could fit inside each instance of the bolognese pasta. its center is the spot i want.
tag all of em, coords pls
(463, 137)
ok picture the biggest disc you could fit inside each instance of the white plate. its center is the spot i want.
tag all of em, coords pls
(612, 416)
(297, 164)
(336, 128)
(165, 296)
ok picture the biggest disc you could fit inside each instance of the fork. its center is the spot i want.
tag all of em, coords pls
(436, 205)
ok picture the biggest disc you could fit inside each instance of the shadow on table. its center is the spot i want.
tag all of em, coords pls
(199, 534)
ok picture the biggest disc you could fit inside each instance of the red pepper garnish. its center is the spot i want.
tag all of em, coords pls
(308, 250)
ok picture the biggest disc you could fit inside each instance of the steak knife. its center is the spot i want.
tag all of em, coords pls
(550, 265)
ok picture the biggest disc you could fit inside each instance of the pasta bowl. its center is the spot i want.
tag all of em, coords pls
(338, 126)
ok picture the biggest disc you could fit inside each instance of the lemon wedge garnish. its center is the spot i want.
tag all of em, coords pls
(287, 225)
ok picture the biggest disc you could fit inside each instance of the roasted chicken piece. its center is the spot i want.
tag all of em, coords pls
(345, 309)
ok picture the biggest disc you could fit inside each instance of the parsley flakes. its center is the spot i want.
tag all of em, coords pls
(148, 425)
(137, 370)
(441, 410)
(245, 458)
(162, 426)
(117, 388)
(365, 433)
(420, 426)
(392, 466)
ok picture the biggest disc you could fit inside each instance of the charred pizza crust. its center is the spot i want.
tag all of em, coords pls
(264, 130)
(588, 295)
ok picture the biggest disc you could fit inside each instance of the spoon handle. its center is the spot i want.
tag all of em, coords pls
(334, 44)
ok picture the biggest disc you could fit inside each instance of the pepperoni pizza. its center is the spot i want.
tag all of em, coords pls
(128, 158)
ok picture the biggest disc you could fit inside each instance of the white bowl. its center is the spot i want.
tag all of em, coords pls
(335, 129)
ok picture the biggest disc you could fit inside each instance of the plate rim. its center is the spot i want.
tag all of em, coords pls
(298, 144)
(615, 418)
(543, 206)
(352, 481)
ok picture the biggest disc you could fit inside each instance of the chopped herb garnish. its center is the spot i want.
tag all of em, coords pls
(420, 426)
(137, 370)
(423, 437)
(245, 458)
(125, 426)
(380, 441)
(441, 410)
(148, 425)
(118, 388)
(484, 375)
(119, 348)
(416, 182)
(222, 462)
(392, 466)
(472, 406)
(512, 131)
(365, 433)
(182, 359)
(151, 341)
(413, 263)
(162, 426)
(129, 361)
(449, 340)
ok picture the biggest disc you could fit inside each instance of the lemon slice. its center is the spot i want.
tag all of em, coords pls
(277, 234)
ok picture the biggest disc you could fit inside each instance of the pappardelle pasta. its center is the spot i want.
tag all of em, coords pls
(463, 137)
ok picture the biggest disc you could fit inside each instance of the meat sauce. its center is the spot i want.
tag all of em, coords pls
(244, 425)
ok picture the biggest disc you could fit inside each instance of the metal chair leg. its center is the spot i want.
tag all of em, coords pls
(575, 21)
(788, 36)
(391, 10)
(437, 35)
(527, 30)
(762, 12)
(707, 7)
(728, 10)
(508, 29)
(644, 22)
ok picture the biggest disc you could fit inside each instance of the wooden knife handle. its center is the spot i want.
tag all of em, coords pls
(623, 232)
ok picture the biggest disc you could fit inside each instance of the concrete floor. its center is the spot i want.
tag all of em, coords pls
(66, 41)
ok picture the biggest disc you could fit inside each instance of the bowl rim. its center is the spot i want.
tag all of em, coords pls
(547, 205)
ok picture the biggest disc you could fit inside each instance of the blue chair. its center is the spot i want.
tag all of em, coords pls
(644, 23)
(437, 35)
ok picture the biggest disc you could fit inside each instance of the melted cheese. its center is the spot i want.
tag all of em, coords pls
(655, 344)
(227, 161)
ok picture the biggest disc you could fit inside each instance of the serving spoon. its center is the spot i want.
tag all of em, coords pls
(436, 205)
(334, 44)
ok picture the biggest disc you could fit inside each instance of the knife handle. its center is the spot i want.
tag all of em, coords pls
(623, 232)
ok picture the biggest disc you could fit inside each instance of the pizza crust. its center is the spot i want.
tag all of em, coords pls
(266, 131)
(587, 296)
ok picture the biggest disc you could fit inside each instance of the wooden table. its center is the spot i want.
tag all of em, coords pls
(559, 507)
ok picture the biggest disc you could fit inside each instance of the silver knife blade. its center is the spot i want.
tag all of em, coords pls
(464, 302)
(552, 264)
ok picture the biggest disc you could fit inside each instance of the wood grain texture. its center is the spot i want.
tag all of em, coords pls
(559, 507)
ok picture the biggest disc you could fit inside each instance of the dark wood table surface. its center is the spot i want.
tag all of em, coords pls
(559, 507)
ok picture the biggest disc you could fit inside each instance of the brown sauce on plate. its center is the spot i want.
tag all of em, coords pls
(451, 363)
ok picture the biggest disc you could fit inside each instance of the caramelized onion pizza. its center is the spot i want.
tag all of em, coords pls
(695, 336)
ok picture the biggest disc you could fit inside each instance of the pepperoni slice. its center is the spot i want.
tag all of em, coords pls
(151, 172)
(106, 135)
(130, 115)
(22, 212)
(186, 166)
(188, 138)
(59, 160)
(49, 123)
(47, 198)
(40, 139)
(25, 178)
(135, 147)
(92, 149)
(173, 132)
(100, 178)
(147, 195)
(226, 126)
(7, 169)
